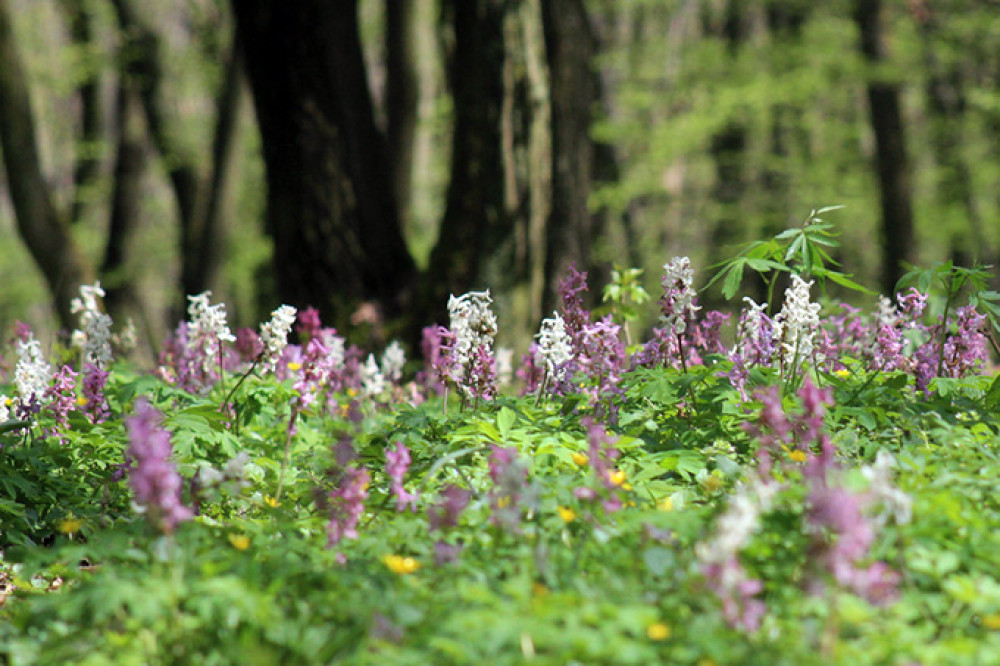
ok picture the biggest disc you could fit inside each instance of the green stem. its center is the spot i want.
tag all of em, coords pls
(288, 451)
(944, 331)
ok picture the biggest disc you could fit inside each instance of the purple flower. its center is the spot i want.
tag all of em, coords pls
(706, 335)
(737, 592)
(248, 345)
(309, 324)
(600, 357)
(347, 503)
(575, 316)
(966, 349)
(152, 476)
(396, 464)
(95, 379)
(61, 399)
(510, 492)
(445, 514)
(888, 353)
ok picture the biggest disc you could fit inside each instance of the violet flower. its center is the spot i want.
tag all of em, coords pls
(61, 398)
(445, 513)
(397, 462)
(95, 379)
(575, 316)
(347, 504)
(152, 476)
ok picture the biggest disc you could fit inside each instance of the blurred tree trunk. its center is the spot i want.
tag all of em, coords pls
(728, 147)
(199, 191)
(499, 194)
(402, 93)
(785, 19)
(331, 207)
(88, 161)
(45, 233)
(126, 201)
(890, 149)
(575, 91)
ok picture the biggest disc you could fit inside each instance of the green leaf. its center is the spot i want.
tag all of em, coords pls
(505, 420)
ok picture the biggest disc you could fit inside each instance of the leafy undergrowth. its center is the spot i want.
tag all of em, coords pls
(682, 502)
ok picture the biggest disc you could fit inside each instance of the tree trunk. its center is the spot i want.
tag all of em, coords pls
(126, 202)
(572, 229)
(474, 219)
(44, 232)
(890, 150)
(401, 95)
(331, 208)
(89, 147)
(499, 195)
(728, 150)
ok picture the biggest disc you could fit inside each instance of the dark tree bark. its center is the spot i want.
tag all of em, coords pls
(45, 233)
(475, 222)
(331, 208)
(890, 150)
(575, 91)
(199, 191)
(401, 95)
(126, 201)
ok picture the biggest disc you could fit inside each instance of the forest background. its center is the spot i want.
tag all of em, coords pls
(369, 157)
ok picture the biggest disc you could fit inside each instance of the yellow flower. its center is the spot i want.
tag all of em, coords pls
(711, 483)
(580, 459)
(665, 504)
(271, 502)
(401, 565)
(798, 456)
(81, 401)
(69, 525)
(239, 541)
(294, 366)
(843, 373)
(567, 514)
(616, 476)
(503, 502)
(658, 631)
(992, 621)
(626, 486)
(352, 392)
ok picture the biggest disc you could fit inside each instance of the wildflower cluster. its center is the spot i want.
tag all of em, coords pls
(151, 474)
(468, 359)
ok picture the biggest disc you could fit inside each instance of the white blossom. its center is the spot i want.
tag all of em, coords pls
(473, 324)
(678, 281)
(795, 326)
(274, 335)
(894, 501)
(739, 522)
(87, 304)
(94, 334)
(555, 348)
(32, 374)
(372, 381)
(207, 330)
(393, 360)
(887, 314)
